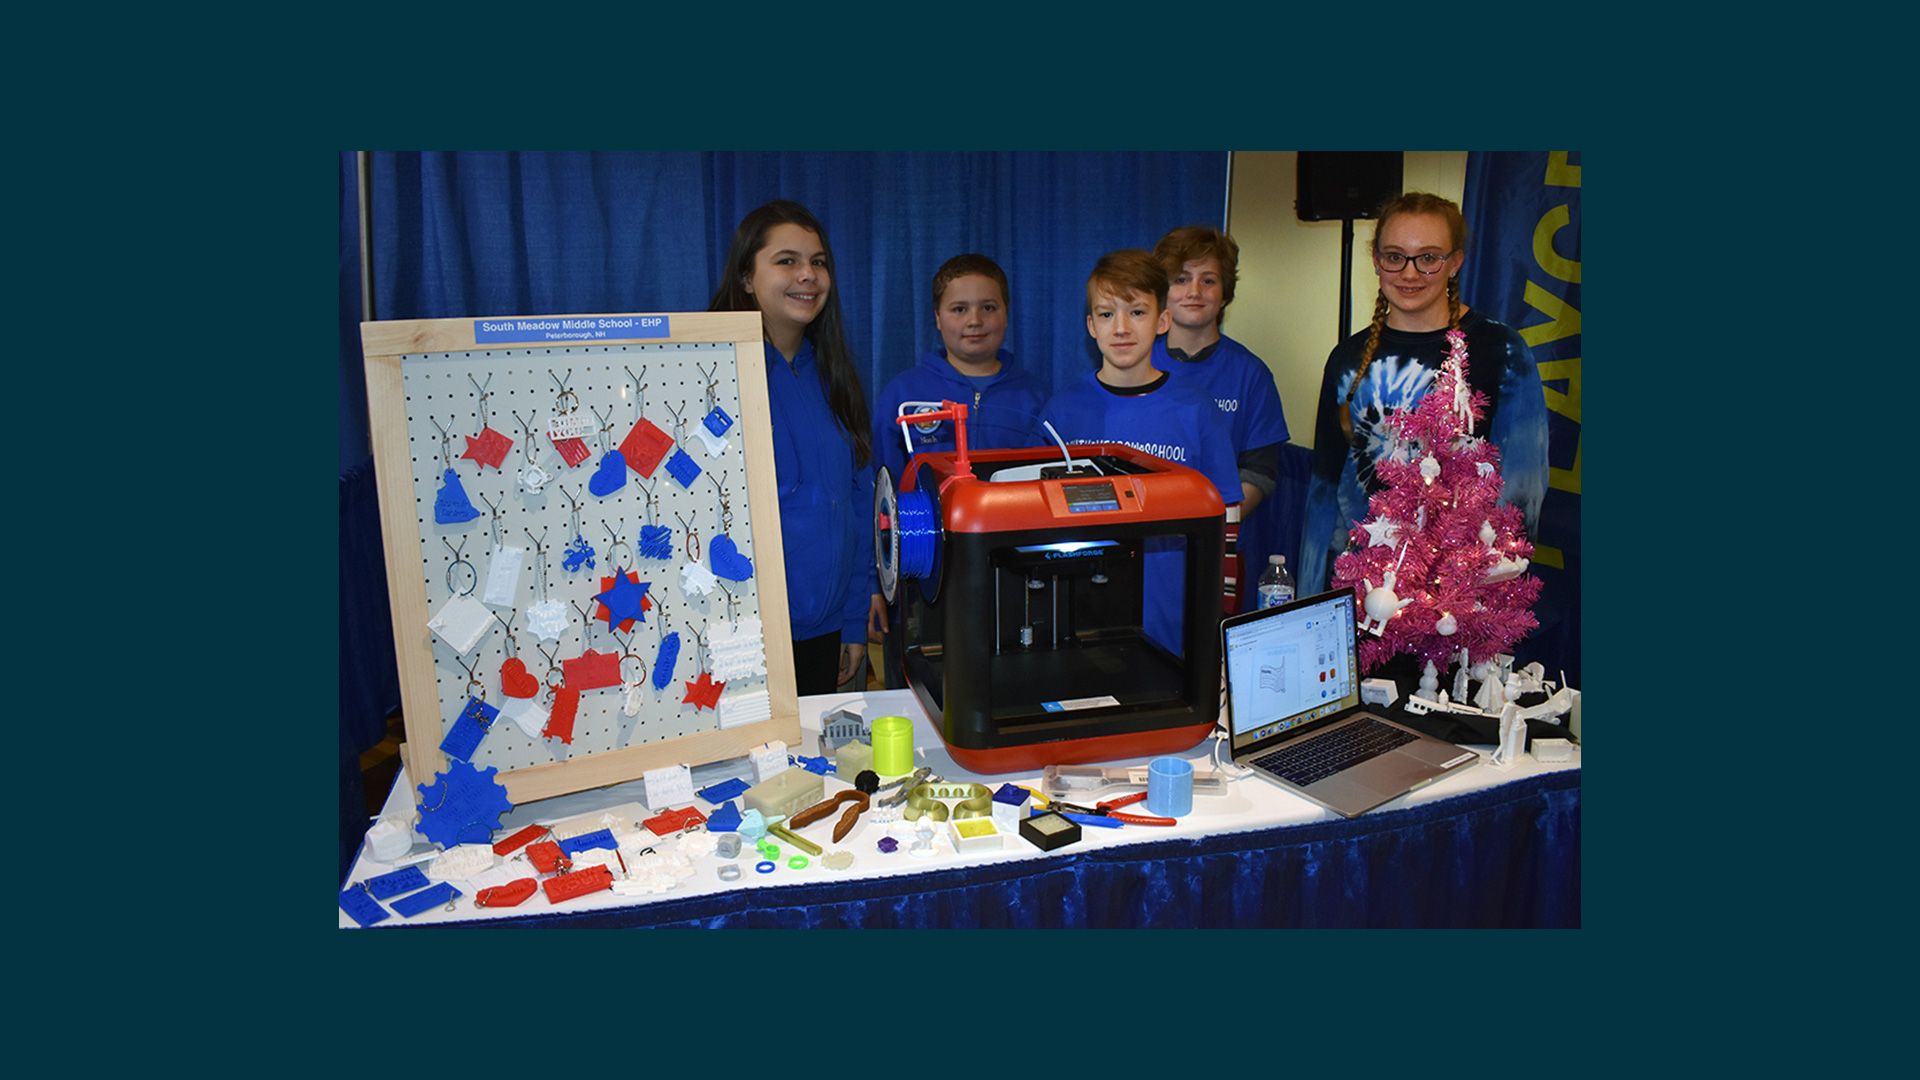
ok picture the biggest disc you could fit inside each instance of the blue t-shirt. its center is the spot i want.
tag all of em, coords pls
(1003, 409)
(826, 504)
(1239, 383)
(1171, 421)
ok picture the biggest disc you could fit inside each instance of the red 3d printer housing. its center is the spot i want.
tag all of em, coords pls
(1022, 602)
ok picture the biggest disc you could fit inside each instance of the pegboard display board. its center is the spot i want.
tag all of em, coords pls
(651, 489)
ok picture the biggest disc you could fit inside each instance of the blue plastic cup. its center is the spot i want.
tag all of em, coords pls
(1170, 787)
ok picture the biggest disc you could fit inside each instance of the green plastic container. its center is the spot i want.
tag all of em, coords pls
(892, 745)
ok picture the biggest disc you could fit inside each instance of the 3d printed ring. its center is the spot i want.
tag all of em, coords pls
(766, 867)
(798, 862)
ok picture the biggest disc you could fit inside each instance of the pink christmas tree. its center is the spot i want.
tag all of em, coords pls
(1440, 564)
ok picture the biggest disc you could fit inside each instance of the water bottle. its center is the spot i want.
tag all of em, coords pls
(1276, 585)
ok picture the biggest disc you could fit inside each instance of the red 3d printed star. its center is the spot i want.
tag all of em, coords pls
(703, 692)
(488, 448)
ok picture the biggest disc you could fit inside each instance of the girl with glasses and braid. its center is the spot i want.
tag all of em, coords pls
(1419, 247)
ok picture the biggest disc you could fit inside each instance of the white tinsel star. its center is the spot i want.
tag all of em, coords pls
(1382, 533)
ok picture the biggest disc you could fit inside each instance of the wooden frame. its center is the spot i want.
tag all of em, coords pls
(386, 344)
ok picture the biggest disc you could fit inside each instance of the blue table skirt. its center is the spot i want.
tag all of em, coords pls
(1505, 856)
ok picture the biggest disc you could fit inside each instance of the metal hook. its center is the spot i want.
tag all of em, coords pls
(526, 437)
(614, 540)
(484, 395)
(560, 403)
(553, 668)
(679, 422)
(700, 644)
(693, 538)
(493, 523)
(713, 383)
(446, 442)
(732, 600)
(473, 679)
(726, 505)
(459, 560)
(653, 501)
(586, 630)
(513, 643)
(606, 429)
(640, 388)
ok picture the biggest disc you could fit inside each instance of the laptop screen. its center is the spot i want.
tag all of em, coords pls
(1290, 665)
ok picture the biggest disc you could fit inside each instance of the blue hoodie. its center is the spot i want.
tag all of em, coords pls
(1006, 413)
(826, 504)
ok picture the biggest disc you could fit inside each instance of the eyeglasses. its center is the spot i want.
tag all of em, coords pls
(1426, 262)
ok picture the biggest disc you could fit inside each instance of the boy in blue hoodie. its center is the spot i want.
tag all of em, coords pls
(1130, 401)
(970, 367)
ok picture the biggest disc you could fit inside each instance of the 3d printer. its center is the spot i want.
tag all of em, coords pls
(1024, 573)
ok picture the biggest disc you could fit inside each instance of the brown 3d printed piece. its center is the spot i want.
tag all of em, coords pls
(820, 810)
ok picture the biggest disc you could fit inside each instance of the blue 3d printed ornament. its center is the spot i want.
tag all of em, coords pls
(656, 542)
(611, 476)
(462, 806)
(451, 505)
(664, 661)
(579, 554)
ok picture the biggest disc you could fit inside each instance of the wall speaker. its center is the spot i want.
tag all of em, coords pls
(1338, 185)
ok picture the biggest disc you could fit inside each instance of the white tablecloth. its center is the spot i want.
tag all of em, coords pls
(1251, 803)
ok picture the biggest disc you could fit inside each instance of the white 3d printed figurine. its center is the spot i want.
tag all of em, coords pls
(1429, 680)
(1381, 604)
(1513, 731)
(1460, 691)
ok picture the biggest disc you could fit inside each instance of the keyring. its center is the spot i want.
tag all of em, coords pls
(764, 867)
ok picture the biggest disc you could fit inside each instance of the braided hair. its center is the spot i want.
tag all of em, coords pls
(1412, 202)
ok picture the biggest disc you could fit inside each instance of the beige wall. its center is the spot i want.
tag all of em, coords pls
(1286, 306)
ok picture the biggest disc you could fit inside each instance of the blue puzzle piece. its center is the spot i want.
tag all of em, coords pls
(463, 805)
(405, 879)
(818, 765)
(451, 505)
(360, 907)
(601, 839)
(724, 790)
(718, 421)
(656, 542)
(422, 901)
(474, 723)
(682, 467)
(725, 819)
(664, 660)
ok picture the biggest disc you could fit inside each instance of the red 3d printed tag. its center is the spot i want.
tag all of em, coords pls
(547, 857)
(566, 702)
(511, 894)
(519, 840)
(574, 451)
(644, 446)
(672, 821)
(568, 886)
(592, 671)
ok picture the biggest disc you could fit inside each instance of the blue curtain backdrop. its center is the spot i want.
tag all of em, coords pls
(469, 234)
(1523, 268)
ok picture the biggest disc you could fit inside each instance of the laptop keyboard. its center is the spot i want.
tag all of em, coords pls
(1319, 758)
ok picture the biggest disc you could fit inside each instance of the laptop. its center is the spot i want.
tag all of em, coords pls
(1294, 713)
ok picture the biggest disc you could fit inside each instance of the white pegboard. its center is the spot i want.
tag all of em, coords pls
(522, 394)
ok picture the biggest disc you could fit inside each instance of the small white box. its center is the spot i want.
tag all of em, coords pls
(1552, 751)
(1381, 692)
